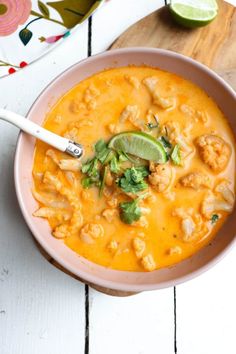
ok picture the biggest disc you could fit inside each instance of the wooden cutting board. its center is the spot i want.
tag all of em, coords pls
(213, 45)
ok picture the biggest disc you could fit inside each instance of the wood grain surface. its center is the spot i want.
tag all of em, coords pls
(213, 45)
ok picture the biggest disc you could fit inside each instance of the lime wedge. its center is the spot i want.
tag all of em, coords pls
(139, 144)
(193, 13)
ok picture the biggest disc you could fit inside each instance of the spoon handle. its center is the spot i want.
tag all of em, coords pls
(60, 143)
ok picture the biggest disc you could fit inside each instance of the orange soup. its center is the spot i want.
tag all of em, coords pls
(121, 210)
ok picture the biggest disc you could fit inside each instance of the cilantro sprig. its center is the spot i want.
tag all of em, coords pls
(131, 211)
(132, 181)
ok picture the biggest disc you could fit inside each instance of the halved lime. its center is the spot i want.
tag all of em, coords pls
(193, 13)
(139, 144)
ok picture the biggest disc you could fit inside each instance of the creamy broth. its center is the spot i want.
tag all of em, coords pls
(186, 204)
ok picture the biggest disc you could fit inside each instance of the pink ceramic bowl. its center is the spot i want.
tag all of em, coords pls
(79, 266)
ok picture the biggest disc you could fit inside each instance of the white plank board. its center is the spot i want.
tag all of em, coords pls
(41, 309)
(115, 17)
(140, 324)
(206, 311)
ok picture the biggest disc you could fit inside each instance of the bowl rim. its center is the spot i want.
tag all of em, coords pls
(83, 275)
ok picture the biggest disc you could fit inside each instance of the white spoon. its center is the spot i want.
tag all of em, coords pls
(60, 143)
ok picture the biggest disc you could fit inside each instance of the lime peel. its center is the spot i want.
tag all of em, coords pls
(190, 13)
(139, 144)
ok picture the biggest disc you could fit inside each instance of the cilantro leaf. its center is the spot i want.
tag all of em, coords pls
(165, 142)
(102, 185)
(114, 165)
(101, 150)
(91, 168)
(132, 180)
(175, 155)
(214, 218)
(87, 182)
(130, 211)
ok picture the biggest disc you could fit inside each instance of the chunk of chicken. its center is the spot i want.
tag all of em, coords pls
(53, 155)
(110, 214)
(51, 200)
(175, 250)
(64, 164)
(134, 81)
(91, 93)
(46, 212)
(148, 263)
(90, 232)
(188, 110)
(197, 115)
(69, 164)
(225, 191)
(61, 231)
(139, 247)
(212, 204)
(132, 114)
(113, 202)
(142, 222)
(192, 224)
(112, 246)
(195, 180)
(169, 195)
(173, 132)
(76, 221)
(72, 134)
(76, 106)
(72, 179)
(113, 128)
(160, 177)
(85, 122)
(87, 196)
(201, 116)
(163, 102)
(214, 151)
(72, 197)
(188, 227)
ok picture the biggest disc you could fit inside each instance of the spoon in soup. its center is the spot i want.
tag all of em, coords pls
(65, 145)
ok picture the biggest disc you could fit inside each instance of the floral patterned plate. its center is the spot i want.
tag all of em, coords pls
(30, 28)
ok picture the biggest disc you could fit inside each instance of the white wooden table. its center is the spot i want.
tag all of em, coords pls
(42, 310)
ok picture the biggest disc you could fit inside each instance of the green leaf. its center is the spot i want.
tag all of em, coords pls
(91, 168)
(175, 155)
(101, 150)
(43, 9)
(130, 211)
(214, 218)
(73, 12)
(165, 142)
(25, 36)
(109, 157)
(114, 165)
(87, 182)
(102, 185)
(132, 180)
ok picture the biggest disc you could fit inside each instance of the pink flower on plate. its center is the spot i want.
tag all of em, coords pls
(12, 14)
